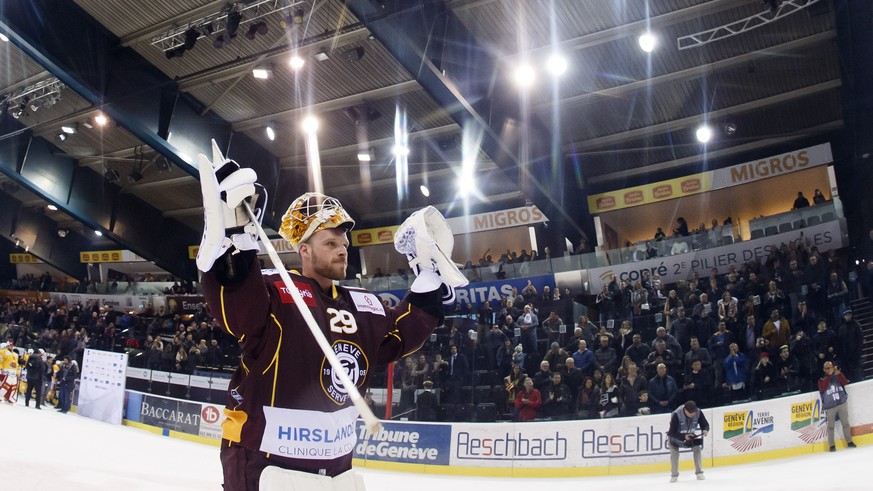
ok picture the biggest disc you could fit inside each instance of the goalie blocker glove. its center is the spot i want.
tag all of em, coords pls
(427, 241)
(226, 224)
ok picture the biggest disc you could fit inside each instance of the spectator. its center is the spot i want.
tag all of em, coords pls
(834, 400)
(543, 378)
(528, 401)
(556, 357)
(572, 378)
(528, 323)
(800, 201)
(426, 406)
(698, 384)
(584, 359)
(554, 328)
(605, 358)
(735, 373)
(766, 376)
(662, 390)
(557, 399)
(637, 351)
(587, 401)
(848, 344)
(777, 330)
(629, 390)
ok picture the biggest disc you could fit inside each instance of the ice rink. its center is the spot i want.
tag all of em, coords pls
(49, 450)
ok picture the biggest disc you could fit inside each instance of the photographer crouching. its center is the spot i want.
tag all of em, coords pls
(688, 427)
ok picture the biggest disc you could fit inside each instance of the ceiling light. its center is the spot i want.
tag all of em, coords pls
(730, 128)
(52, 207)
(271, 133)
(524, 76)
(68, 129)
(298, 16)
(310, 124)
(647, 42)
(424, 190)
(704, 134)
(4, 37)
(87, 124)
(34, 107)
(101, 120)
(18, 112)
(98, 233)
(556, 64)
(296, 62)
(62, 136)
(364, 157)
(321, 55)
(262, 72)
(62, 232)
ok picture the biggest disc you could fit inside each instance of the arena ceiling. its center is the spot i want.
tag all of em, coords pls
(169, 77)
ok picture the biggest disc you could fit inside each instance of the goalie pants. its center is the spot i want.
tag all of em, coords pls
(674, 460)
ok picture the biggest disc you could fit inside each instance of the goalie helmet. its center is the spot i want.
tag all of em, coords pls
(309, 214)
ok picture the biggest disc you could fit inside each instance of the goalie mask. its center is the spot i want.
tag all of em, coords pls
(309, 214)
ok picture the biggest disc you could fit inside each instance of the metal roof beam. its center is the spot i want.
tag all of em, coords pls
(675, 124)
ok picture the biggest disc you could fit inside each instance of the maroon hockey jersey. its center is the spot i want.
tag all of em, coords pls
(284, 399)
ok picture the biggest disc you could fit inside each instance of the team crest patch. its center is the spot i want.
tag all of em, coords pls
(355, 363)
(367, 302)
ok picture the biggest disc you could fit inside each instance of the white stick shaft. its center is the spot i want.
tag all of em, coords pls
(370, 419)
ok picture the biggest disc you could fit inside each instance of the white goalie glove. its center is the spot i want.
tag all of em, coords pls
(427, 241)
(225, 185)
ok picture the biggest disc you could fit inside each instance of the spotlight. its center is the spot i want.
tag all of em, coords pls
(321, 55)
(88, 124)
(400, 150)
(68, 129)
(52, 208)
(34, 107)
(296, 62)
(112, 176)
(556, 64)
(704, 134)
(773, 4)
(134, 177)
(62, 137)
(4, 37)
(647, 42)
(262, 72)
(219, 42)
(17, 112)
(191, 37)
(256, 28)
(62, 232)
(364, 157)
(524, 76)
(354, 55)
(730, 128)
(98, 233)
(424, 190)
(101, 120)
(271, 133)
(298, 16)
(233, 20)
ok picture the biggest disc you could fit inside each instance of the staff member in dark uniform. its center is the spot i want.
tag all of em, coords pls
(36, 370)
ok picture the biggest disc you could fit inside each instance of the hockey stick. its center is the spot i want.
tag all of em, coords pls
(370, 420)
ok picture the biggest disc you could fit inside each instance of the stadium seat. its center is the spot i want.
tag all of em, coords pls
(813, 220)
(481, 377)
(486, 413)
(482, 393)
(757, 233)
(785, 227)
(798, 224)
(826, 217)
(464, 412)
(771, 230)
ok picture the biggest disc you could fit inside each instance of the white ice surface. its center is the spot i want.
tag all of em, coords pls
(49, 450)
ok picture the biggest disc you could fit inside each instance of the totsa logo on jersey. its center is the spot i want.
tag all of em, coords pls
(355, 363)
(745, 429)
(808, 421)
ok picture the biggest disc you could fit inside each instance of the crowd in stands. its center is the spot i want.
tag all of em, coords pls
(758, 331)
(161, 340)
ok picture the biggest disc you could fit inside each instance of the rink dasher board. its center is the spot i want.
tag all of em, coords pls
(750, 432)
